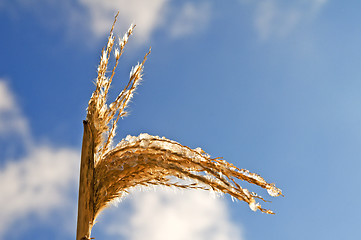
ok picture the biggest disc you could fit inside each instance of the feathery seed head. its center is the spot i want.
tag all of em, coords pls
(148, 160)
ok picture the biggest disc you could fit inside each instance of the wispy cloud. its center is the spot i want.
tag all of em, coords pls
(173, 214)
(146, 14)
(190, 18)
(275, 18)
(149, 16)
(39, 182)
(96, 16)
(11, 119)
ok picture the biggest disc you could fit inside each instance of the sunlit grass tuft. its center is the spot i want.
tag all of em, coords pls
(108, 172)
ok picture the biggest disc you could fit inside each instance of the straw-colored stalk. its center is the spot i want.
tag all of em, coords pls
(108, 172)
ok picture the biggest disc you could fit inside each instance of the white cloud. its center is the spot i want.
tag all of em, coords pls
(96, 16)
(11, 119)
(274, 18)
(173, 214)
(37, 183)
(190, 18)
(7, 101)
(146, 14)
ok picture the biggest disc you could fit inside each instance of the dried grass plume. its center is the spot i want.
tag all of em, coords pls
(108, 171)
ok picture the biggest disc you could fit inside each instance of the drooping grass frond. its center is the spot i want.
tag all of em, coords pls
(150, 160)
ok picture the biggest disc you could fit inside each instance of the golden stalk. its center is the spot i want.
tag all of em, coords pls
(107, 172)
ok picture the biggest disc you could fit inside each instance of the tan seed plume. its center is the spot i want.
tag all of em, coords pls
(108, 172)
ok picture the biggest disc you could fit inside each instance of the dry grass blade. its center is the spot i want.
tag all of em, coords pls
(144, 160)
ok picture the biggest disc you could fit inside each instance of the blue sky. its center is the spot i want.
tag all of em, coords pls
(272, 86)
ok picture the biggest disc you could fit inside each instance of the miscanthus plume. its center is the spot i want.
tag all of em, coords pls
(109, 171)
